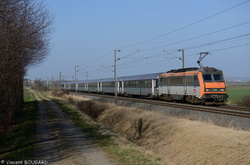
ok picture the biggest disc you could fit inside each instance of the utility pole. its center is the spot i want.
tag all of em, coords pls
(60, 80)
(75, 77)
(87, 75)
(115, 76)
(115, 73)
(182, 59)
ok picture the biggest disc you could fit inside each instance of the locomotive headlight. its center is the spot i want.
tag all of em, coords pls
(208, 90)
(222, 89)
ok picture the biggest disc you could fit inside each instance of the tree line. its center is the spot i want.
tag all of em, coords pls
(25, 28)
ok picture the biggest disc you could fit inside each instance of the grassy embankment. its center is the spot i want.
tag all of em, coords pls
(173, 140)
(17, 142)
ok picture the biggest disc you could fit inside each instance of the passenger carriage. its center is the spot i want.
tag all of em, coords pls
(140, 85)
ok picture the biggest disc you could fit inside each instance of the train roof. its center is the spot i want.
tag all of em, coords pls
(193, 69)
(140, 77)
(123, 78)
(183, 70)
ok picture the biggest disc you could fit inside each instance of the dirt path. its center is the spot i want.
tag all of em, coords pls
(59, 141)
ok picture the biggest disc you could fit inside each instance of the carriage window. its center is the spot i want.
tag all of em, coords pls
(132, 83)
(143, 83)
(137, 83)
(207, 77)
(218, 77)
(108, 84)
(80, 85)
(147, 84)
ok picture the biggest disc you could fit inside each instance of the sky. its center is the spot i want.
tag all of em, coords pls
(149, 35)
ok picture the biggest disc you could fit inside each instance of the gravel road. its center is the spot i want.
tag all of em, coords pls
(60, 141)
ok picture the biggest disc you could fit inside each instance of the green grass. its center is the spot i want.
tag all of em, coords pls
(121, 151)
(237, 94)
(17, 143)
(27, 95)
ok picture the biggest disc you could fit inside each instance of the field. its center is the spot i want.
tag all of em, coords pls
(237, 93)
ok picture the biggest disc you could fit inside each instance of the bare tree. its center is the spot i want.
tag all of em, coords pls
(25, 27)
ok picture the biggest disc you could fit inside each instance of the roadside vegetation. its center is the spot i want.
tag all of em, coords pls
(17, 143)
(120, 149)
(25, 27)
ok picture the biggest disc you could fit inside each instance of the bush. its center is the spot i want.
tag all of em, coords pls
(71, 101)
(64, 92)
(91, 108)
(245, 101)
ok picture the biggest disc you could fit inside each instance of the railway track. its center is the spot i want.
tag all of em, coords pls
(224, 109)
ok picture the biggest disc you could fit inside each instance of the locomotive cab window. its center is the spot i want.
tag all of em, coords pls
(213, 77)
(218, 77)
(207, 77)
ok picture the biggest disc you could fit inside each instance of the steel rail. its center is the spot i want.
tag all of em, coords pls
(225, 109)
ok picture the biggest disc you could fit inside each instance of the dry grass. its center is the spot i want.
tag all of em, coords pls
(178, 141)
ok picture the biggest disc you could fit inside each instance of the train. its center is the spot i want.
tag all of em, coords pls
(205, 85)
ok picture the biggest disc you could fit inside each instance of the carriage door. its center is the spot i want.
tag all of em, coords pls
(153, 86)
(120, 87)
(99, 87)
(185, 85)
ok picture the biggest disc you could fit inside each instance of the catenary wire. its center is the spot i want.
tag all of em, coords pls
(186, 26)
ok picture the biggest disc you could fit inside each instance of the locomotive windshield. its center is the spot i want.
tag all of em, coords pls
(213, 77)
(218, 77)
(207, 77)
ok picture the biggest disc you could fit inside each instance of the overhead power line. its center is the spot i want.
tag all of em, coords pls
(231, 47)
(189, 39)
(162, 53)
(216, 42)
(100, 57)
(172, 58)
(194, 23)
